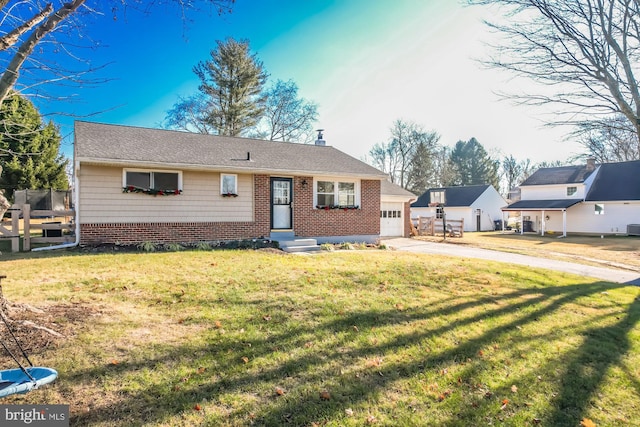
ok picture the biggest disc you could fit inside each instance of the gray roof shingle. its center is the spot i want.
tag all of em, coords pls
(390, 189)
(616, 181)
(127, 145)
(454, 196)
(556, 204)
(559, 175)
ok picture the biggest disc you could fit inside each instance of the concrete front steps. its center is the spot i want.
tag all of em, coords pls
(288, 242)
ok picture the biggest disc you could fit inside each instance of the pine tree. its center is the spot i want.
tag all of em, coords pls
(472, 165)
(232, 81)
(29, 149)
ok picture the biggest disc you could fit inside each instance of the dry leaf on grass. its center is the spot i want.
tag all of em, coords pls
(197, 407)
(586, 422)
(279, 391)
(514, 389)
(325, 395)
(245, 359)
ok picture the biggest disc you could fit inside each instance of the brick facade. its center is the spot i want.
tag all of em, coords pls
(307, 221)
(311, 222)
(182, 232)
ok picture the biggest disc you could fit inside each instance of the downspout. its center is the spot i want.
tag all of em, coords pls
(76, 198)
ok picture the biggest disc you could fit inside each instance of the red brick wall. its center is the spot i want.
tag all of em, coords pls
(308, 221)
(311, 222)
(407, 219)
(174, 232)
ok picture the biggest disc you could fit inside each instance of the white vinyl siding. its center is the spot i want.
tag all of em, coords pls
(102, 199)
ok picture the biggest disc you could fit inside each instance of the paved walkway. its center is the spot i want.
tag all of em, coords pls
(419, 246)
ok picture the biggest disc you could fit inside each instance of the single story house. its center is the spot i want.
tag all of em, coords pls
(138, 185)
(590, 199)
(479, 206)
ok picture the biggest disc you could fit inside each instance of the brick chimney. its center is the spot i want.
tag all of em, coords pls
(591, 164)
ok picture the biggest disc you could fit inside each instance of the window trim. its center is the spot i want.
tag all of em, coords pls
(336, 192)
(235, 184)
(151, 178)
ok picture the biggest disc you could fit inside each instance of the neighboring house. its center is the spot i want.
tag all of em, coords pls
(148, 185)
(478, 205)
(395, 210)
(590, 198)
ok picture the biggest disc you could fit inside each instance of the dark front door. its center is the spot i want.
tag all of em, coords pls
(281, 199)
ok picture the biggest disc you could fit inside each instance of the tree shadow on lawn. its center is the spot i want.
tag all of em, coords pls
(160, 401)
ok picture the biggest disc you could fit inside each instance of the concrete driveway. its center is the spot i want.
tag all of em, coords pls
(607, 274)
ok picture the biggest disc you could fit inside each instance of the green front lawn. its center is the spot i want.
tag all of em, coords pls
(348, 338)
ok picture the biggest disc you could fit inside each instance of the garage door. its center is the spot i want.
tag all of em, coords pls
(391, 220)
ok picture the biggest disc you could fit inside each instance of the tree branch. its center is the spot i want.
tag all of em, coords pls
(10, 76)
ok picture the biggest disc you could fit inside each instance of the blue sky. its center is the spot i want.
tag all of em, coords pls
(365, 63)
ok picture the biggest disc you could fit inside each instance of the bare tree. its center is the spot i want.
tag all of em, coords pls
(190, 114)
(397, 156)
(608, 140)
(288, 117)
(585, 52)
(514, 171)
(57, 27)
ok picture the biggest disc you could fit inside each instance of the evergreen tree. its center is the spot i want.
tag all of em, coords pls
(232, 81)
(29, 149)
(472, 165)
(422, 168)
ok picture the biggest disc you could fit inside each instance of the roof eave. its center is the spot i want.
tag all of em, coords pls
(221, 168)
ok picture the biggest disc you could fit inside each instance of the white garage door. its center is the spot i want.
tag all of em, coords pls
(391, 219)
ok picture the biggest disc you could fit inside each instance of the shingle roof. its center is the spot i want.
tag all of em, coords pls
(616, 181)
(523, 205)
(559, 175)
(454, 196)
(127, 145)
(388, 188)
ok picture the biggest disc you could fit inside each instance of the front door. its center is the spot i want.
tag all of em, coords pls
(281, 199)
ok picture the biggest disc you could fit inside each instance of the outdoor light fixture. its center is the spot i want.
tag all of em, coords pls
(304, 183)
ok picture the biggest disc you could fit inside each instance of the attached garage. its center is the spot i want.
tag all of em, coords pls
(394, 210)
(391, 219)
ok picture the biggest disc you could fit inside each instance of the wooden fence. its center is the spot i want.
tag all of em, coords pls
(431, 226)
(55, 231)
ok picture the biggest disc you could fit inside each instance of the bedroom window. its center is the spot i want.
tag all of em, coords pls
(571, 191)
(228, 184)
(156, 180)
(599, 209)
(334, 194)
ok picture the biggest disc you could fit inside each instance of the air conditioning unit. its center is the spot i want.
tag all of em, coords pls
(633, 229)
